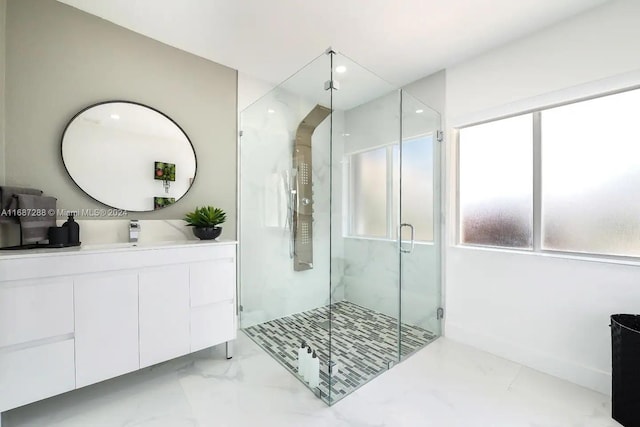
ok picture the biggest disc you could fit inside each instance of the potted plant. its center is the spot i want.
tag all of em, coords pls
(205, 221)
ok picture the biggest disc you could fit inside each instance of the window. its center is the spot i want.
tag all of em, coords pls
(374, 185)
(369, 193)
(591, 176)
(417, 185)
(582, 184)
(496, 183)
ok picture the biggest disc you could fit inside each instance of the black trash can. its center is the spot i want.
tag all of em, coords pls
(625, 369)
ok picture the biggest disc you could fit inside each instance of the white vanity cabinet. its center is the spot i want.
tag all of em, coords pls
(164, 313)
(77, 316)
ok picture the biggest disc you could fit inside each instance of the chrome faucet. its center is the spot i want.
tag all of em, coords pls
(134, 230)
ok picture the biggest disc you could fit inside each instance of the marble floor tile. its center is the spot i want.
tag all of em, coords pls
(445, 384)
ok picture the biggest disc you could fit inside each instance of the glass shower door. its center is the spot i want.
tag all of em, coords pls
(417, 160)
(284, 218)
(364, 267)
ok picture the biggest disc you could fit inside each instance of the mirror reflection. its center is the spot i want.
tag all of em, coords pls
(128, 156)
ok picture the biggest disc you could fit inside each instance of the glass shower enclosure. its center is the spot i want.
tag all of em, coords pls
(339, 224)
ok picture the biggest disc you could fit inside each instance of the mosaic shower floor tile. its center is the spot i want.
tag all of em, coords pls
(363, 343)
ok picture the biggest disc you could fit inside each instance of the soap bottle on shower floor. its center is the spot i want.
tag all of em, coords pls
(302, 359)
(314, 371)
(307, 365)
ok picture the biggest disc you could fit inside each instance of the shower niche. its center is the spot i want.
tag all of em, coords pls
(339, 223)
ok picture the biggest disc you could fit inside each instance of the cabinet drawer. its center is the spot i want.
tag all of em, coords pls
(35, 373)
(35, 311)
(212, 281)
(213, 324)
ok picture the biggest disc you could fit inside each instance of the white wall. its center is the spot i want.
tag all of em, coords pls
(251, 89)
(547, 312)
(594, 45)
(431, 90)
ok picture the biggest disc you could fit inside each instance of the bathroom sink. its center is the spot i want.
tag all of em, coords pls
(123, 245)
(111, 245)
(102, 247)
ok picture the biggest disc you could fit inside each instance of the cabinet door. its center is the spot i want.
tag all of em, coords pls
(164, 313)
(212, 281)
(106, 317)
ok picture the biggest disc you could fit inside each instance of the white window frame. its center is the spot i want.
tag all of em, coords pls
(348, 191)
(537, 189)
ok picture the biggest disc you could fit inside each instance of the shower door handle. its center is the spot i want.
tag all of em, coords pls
(290, 207)
(403, 250)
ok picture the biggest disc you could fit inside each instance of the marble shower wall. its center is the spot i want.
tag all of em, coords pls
(269, 287)
(371, 280)
(371, 266)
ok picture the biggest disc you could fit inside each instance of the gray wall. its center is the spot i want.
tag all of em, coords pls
(3, 9)
(59, 60)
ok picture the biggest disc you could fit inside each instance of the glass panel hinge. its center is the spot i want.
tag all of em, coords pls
(331, 84)
(440, 313)
(439, 135)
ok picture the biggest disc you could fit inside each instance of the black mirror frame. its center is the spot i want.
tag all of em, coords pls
(195, 156)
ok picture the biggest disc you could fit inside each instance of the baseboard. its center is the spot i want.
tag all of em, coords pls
(585, 376)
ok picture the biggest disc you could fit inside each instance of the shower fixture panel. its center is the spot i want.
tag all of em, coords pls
(302, 189)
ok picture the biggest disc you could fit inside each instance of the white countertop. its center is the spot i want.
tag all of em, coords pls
(110, 247)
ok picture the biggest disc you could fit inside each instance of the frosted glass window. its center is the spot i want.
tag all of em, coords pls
(395, 191)
(591, 176)
(369, 193)
(417, 185)
(496, 183)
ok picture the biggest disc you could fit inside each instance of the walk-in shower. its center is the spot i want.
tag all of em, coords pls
(339, 223)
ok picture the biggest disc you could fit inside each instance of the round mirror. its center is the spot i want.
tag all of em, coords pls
(128, 156)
